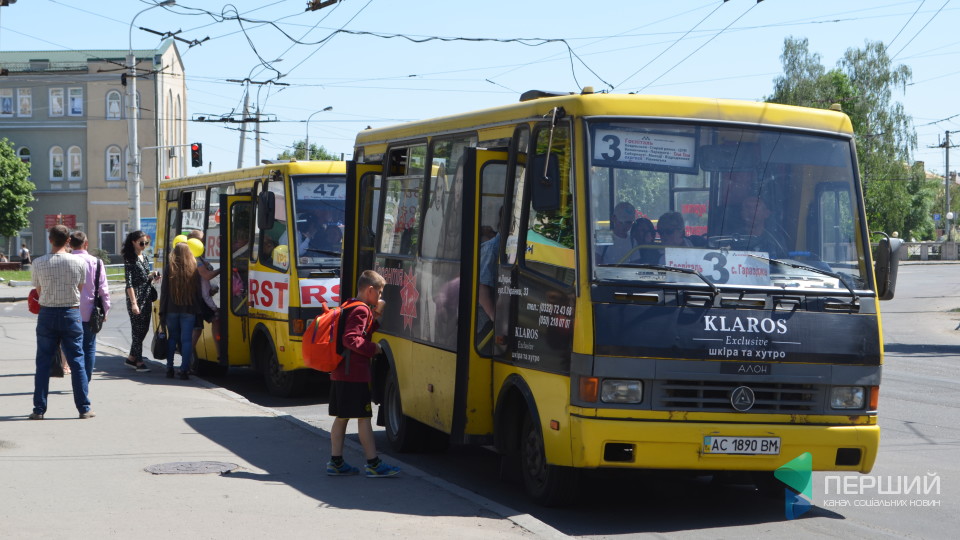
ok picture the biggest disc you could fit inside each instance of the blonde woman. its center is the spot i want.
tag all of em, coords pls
(180, 303)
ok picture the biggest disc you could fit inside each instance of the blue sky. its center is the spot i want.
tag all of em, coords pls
(704, 48)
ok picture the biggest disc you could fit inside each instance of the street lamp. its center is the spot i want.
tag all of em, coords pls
(133, 154)
(307, 142)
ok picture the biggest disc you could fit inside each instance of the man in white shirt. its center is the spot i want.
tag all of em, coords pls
(59, 277)
(622, 218)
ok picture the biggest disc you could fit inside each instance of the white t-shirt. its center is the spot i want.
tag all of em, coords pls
(614, 253)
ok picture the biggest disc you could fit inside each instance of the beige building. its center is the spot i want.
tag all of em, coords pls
(65, 113)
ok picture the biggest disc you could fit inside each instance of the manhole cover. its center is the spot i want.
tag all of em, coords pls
(193, 467)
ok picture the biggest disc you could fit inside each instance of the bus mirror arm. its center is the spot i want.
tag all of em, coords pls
(886, 265)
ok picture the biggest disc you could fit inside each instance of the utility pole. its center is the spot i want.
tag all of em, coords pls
(946, 184)
(243, 128)
(257, 163)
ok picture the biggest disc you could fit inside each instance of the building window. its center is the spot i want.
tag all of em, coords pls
(24, 102)
(76, 162)
(114, 165)
(108, 237)
(6, 101)
(24, 154)
(56, 163)
(76, 102)
(114, 105)
(56, 102)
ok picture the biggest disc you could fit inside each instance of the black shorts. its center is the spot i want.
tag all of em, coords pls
(350, 399)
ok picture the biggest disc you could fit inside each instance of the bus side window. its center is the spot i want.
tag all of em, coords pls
(401, 222)
(369, 214)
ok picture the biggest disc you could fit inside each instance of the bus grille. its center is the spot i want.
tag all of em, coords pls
(715, 396)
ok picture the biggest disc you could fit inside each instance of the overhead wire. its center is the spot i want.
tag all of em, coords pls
(934, 16)
(890, 43)
(700, 47)
(678, 40)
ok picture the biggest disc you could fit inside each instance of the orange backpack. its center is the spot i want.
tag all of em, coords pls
(323, 340)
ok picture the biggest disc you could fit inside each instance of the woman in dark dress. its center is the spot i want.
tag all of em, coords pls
(140, 294)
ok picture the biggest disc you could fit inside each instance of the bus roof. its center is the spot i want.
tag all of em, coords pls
(624, 105)
(290, 168)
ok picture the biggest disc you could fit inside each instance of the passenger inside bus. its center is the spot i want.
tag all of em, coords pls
(643, 234)
(621, 219)
(672, 230)
(756, 217)
(329, 239)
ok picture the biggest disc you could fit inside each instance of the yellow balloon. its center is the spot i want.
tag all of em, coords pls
(179, 238)
(196, 247)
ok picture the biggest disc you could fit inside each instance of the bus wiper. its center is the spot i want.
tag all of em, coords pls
(800, 266)
(325, 252)
(713, 288)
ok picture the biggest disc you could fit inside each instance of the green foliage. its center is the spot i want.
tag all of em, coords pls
(300, 153)
(101, 254)
(863, 83)
(15, 191)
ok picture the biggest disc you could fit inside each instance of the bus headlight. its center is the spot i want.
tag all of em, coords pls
(847, 397)
(621, 391)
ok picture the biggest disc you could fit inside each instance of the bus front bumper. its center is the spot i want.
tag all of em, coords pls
(684, 445)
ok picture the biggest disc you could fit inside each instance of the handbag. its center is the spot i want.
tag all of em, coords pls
(152, 295)
(56, 366)
(98, 314)
(33, 301)
(159, 344)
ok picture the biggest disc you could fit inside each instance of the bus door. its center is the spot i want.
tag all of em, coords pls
(236, 214)
(363, 199)
(486, 174)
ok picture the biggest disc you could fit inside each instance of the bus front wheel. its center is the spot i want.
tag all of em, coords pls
(548, 485)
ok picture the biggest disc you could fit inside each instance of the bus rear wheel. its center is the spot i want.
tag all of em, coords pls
(280, 383)
(404, 433)
(547, 485)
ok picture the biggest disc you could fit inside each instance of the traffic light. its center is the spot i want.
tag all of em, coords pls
(196, 155)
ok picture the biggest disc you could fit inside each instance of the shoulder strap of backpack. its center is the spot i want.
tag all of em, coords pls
(343, 313)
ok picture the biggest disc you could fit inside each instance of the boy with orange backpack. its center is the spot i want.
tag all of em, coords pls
(350, 381)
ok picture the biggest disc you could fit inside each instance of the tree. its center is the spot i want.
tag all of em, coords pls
(863, 83)
(300, 153)
(15, 191)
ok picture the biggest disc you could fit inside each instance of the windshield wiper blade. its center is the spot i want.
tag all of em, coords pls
(800, 266)
(325, 252)
(713, 288)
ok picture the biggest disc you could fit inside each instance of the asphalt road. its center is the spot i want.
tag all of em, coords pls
(919, 402)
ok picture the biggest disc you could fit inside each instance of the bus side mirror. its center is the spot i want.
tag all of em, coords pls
(886, 266)
(266, 210)
(545, 180)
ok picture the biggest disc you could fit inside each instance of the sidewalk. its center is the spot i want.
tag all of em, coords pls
(64, 477)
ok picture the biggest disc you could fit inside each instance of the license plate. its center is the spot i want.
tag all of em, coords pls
(763, 446)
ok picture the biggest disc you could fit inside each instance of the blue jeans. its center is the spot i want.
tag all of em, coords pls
(89, 351)
(180, 330)
(60, 328)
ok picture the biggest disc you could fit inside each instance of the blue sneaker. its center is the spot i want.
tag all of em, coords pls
(382, 471)
(345, 469)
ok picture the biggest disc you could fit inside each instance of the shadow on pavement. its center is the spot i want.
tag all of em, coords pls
(297, 458)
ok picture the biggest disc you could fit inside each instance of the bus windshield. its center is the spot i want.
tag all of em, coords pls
(319, 207)
(744, 207)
